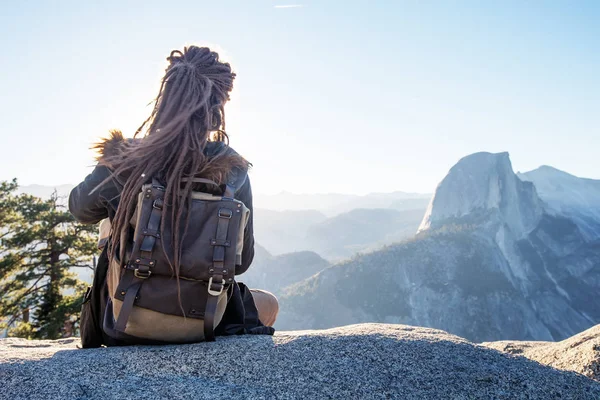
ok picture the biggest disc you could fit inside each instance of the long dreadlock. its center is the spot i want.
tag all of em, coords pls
(188, 112)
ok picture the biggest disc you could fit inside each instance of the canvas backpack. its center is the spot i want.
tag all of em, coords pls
(146, 302)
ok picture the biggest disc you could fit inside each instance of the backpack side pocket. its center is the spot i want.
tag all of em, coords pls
(89, 326)
(90, 321)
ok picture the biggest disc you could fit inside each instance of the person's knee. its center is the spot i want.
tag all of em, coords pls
(274, 306)
(267, 306)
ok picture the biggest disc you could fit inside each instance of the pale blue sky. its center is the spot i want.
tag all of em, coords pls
(332, 96)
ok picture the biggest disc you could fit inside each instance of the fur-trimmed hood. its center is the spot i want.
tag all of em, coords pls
(116, 144)
(112, 145)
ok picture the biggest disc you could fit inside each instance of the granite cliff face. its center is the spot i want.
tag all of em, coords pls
(369, 361)
(483, 188)
(492, 261)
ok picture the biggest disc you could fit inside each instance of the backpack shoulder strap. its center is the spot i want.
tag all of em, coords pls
(236, 179)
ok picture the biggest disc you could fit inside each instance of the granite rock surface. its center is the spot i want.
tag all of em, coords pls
(367, 361)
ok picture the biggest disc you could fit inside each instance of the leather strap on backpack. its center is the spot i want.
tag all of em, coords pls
(218, 274)
(141, 263)
(216, 283)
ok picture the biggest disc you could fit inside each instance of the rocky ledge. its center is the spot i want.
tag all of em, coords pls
(367, 361)
(580, 353)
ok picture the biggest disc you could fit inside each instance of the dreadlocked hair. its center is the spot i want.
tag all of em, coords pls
(188, 113)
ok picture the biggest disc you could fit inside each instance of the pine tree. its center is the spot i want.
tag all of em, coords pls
(40, 245)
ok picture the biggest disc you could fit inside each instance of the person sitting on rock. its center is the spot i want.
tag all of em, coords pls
(181, 156)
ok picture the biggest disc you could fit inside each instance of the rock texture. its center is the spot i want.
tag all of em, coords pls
(580, 353)
(370, 361)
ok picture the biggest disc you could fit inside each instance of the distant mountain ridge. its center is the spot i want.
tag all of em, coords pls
(332, 204)
(493, 261)
(566, 194)
(336, 237)
(284, 231)
(274, 273)
(362, 230)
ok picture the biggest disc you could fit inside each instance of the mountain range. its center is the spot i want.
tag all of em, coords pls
(494, 259)
(335, 238)
(332, 204)
(274, 273)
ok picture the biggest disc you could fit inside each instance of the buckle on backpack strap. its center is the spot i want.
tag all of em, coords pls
(215, 292)
(158, 204)
(142, 274)
(225, 213)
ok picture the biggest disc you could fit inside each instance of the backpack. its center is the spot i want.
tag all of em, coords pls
(145, 302)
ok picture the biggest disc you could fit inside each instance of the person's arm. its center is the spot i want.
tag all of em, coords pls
(244, 194)
(91, 208)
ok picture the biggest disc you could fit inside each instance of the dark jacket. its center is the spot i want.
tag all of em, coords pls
(240, 316)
